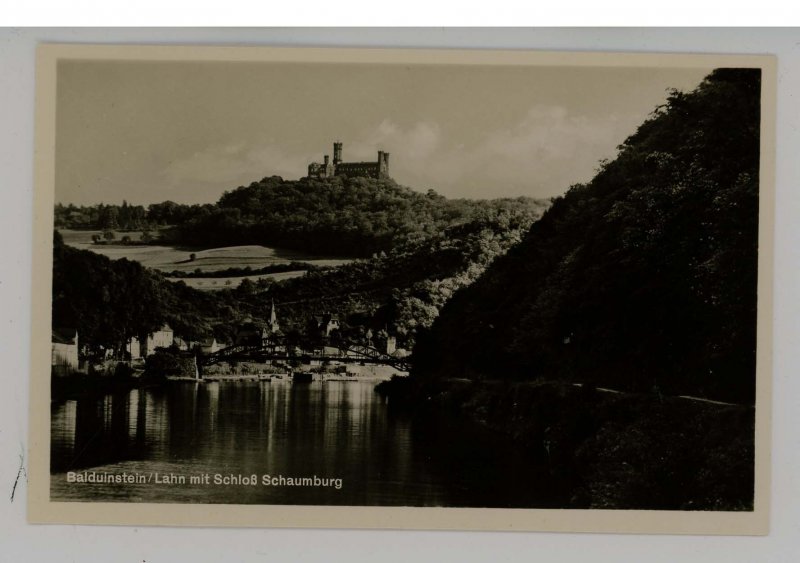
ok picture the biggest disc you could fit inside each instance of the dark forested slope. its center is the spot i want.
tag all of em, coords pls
(643, 279)
(400, 291)
(109, 301)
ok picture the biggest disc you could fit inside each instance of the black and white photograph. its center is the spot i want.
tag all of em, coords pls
(351, 278)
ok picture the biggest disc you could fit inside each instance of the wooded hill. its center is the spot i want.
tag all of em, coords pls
(335, 216)
(354, 217)
(644, 279)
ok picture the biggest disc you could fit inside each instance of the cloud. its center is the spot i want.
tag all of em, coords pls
(546, 151)
(548, 148)
(415, 144)
(421, 141)
(540, 155)
(233, 163)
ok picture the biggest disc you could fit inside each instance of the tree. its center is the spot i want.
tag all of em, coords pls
(108, 217)
(246, 287)
(163, 363)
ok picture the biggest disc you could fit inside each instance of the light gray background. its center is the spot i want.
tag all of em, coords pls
(22, 542)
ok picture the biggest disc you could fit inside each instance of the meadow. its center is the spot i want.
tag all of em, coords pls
(211, 284)
(171, 258)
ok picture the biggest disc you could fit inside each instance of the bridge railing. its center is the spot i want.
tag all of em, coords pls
(284, 350)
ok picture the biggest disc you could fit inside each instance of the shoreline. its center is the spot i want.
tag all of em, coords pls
(81, 385)
(614, 450)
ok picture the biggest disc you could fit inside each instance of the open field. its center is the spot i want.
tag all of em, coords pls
(211, 284)
(171, 258)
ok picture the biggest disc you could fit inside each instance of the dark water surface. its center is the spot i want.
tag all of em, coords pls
(331, 430)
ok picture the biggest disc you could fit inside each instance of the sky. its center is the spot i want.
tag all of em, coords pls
(148, 132)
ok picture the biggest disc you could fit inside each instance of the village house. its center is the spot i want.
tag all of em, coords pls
(162, 338)
(249, 334)
(209, 346)
(133, 349)
(390, 348)
(325, 324)
(64, 351)
(183, 345)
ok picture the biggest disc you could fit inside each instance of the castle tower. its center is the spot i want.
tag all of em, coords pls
(337, 152)
(383, 164)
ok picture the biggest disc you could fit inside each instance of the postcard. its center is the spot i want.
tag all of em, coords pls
(387, 288)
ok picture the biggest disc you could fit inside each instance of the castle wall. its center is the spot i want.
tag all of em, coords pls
(317, 170)
(365, 169)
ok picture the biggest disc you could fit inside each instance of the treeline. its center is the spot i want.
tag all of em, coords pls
(339, 216)
(644, 279)
(245, 271)
(126, 217)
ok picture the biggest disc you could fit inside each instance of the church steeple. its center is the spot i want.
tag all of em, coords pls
(272, 324)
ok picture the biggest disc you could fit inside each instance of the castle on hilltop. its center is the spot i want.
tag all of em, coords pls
(328, 169)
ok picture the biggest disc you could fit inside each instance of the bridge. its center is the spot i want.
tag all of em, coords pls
(280, 349)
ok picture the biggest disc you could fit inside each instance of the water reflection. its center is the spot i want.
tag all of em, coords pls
(331, 430)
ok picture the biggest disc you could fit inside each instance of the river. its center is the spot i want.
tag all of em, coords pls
(343, 433)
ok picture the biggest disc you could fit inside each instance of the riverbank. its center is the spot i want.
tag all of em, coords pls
(613, 450)
(81, 385)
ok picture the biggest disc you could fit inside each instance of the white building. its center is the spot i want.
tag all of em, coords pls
(181, 344)
(64, 351)
(162, 338)
(209, 345)
(133, 348)
(325, 324)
